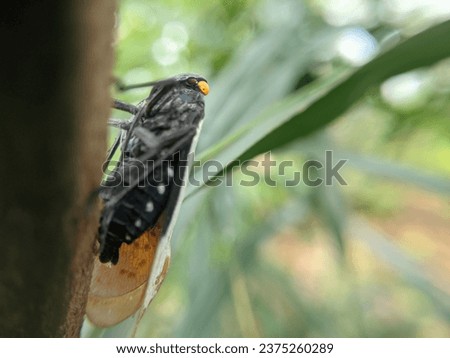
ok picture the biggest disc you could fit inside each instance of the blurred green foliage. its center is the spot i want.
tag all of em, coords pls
(368, 259)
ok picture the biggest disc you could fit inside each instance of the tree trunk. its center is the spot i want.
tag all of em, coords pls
(57, 58)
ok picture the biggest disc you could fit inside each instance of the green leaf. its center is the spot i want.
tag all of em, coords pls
(316, 105)
(424, 49)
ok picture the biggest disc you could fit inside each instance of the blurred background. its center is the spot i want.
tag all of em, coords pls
(367, 259)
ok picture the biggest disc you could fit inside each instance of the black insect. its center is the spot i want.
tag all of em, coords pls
(147, 179)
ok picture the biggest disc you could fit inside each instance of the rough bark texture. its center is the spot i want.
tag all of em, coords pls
(56, 69)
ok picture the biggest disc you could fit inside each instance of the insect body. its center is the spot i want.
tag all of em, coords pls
(142, 195)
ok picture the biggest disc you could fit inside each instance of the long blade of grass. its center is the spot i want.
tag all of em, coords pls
(317, 105)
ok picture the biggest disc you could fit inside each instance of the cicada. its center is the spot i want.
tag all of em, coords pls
(142, 196)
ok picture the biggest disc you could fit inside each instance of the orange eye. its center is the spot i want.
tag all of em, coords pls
(203, 87)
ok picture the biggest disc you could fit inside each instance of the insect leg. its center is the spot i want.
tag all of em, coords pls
(119, 123)
(126, 107)
(134, 121)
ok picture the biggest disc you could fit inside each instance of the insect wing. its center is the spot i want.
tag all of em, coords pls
(117, 291)
(163, 250)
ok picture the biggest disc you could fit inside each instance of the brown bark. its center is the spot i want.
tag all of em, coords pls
(56, 70)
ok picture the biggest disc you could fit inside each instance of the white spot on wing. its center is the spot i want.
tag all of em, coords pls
(128, 238)
(138, 223)
(149, 207)
(170, 172)
(161, 189)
